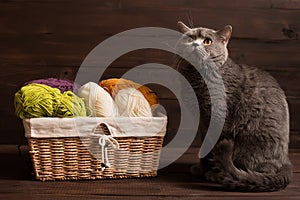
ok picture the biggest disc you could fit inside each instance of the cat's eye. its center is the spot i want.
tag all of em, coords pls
(207, 41)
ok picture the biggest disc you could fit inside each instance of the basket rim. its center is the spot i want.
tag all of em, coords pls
(53, 127)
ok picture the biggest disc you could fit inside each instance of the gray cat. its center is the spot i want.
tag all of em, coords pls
(252, 152)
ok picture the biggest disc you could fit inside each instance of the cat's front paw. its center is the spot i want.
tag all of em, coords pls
(216, 175)
(222, 154)
(223, 147)
(211, 176)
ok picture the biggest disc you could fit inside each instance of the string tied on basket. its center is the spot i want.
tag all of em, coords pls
(104, 141)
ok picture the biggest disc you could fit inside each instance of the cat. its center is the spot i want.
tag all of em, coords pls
(252, 151)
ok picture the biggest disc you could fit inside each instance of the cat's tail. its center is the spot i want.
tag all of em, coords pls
(235, 179)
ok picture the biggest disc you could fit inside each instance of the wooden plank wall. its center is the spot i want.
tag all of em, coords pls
(50, 38)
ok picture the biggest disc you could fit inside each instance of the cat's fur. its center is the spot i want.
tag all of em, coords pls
(252, 152)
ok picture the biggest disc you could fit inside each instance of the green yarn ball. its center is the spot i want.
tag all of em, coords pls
(38, 100)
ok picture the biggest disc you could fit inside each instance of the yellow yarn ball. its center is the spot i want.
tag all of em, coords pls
(38, 100)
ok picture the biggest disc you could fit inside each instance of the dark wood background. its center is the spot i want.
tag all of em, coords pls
(50, 38)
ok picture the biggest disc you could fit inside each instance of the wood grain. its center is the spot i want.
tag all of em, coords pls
(172, 182)
(51, 39)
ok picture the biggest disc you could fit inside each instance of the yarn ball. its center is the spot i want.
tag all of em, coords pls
(61, 84)
(38, 100)
(114, 85)
(98, 100)
(132, 103)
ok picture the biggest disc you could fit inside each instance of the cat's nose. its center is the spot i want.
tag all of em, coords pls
(194, 44)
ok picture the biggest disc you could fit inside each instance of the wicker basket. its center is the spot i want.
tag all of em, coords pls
(85, 157)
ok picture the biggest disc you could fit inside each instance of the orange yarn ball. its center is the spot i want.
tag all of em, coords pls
(114, 85)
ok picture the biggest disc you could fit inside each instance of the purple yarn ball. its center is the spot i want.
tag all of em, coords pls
(61, 84)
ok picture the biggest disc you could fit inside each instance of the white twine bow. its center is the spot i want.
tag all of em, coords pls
(103, 140)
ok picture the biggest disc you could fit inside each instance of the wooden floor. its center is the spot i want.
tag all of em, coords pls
(173, 182)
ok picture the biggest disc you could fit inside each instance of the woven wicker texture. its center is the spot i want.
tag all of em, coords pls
(69, 159)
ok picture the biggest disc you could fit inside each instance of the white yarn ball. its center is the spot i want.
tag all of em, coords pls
(131, 103)
(98, 100)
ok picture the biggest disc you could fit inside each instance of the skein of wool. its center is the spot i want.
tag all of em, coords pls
(132, 103)
(114, 85)
(61, 84)
(98, 100)
(38, 100)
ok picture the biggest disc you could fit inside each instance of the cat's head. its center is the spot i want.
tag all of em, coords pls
(203, 44)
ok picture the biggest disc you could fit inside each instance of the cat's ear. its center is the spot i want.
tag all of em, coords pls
(182, 27)
(225, 33)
